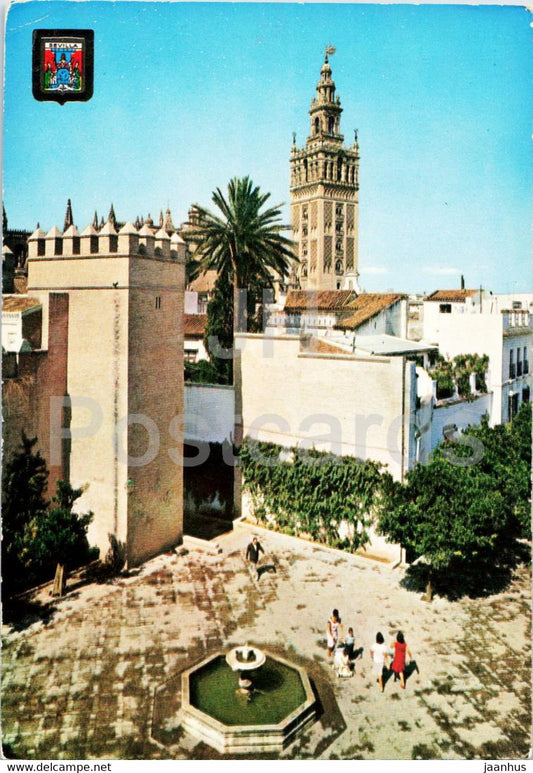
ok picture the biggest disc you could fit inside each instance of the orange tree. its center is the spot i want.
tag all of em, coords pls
(464, 510)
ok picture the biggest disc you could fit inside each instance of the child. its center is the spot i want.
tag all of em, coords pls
(342, 662)
(349, 643)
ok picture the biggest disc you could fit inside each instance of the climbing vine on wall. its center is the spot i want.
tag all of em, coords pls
(318, 495)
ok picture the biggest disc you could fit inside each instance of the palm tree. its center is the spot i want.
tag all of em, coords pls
(246, 242)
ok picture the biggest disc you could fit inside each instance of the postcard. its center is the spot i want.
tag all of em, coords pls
(266, 330)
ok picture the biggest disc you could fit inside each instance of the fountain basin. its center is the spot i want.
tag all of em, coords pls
(213, 711)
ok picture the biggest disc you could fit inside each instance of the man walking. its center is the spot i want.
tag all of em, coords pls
(252, 553)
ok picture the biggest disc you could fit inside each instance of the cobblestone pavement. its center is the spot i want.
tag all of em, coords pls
(96, 677)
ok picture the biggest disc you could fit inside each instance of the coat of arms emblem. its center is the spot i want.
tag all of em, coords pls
(63, 65)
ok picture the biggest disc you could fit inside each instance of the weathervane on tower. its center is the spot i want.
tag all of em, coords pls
(330, 50)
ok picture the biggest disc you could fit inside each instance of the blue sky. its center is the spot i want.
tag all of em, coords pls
(188, 95)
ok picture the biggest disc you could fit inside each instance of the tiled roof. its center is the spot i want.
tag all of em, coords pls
(323, 300)
(205, 283)
(21, 284)
(366, 306)
(194, 324)
(451, 296)
(19, 303)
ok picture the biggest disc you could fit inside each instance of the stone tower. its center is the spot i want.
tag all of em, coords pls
(324, 196)
(124, 418)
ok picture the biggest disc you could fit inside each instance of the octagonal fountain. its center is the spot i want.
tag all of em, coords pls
(246, 701)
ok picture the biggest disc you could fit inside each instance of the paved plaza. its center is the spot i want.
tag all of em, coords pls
(96, 674)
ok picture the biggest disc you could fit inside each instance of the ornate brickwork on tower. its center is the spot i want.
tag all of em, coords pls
(324, 196)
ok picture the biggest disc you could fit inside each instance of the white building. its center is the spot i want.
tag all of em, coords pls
(478, 322)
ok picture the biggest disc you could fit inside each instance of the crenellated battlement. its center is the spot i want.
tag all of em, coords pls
(107, 241)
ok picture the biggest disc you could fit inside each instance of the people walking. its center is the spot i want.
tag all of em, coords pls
(252, 553)
(333, 632)
(401, 650)
(378, 652)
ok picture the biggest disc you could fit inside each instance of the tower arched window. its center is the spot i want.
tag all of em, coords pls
(317, 125)
(331, 124)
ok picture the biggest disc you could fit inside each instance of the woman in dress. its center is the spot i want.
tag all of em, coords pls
(379, 658)
(398, 662)
(333, 632)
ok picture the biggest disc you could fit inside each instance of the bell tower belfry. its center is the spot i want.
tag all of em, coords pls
(324, 195)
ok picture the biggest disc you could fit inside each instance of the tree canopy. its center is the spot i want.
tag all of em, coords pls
(57, 535)
(469, 504)
(23, 498)
(245, 241)
(38, 534)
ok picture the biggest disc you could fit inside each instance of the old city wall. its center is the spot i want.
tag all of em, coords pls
(26, 398)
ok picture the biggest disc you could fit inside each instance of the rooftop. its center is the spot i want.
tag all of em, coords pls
(322, 300)
(391, 345)
(20, 303)
(451, 296)
(194, 324)
(366, 306)
(205, 283)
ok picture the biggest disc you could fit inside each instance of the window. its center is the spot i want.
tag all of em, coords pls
(512, 371)
(525, 395)
(190, 355)
(517, 304)
(158, 302)
(445, 308)
(41, 247)
(518, 362)
(526, 363)
(331, 124)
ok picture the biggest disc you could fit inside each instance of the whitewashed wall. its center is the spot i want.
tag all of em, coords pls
(209, 413)
(461, 414)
